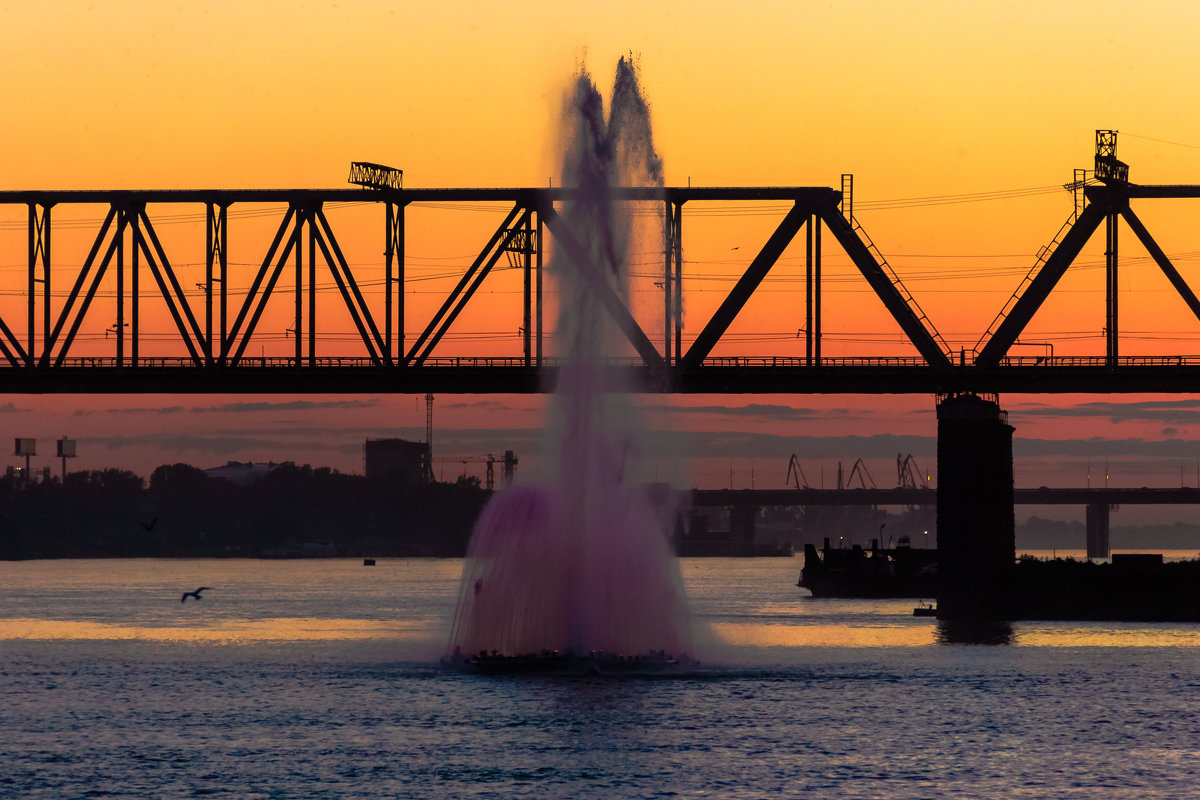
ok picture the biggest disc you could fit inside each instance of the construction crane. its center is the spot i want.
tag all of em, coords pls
(509, 460)
(859, 469)
(796, 472)
(908, 474)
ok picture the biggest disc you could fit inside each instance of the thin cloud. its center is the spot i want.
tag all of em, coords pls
(159, 410)
(1180, 411)
(1106, 448)
(290, 405)
(482, 405)
(751, 411)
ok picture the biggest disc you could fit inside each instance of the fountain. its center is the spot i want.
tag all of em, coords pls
(582, 567)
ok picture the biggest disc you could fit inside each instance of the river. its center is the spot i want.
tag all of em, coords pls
(319, 679)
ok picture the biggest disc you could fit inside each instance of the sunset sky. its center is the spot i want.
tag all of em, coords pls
(924, 102)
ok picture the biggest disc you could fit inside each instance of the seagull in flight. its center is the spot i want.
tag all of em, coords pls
(195, 594)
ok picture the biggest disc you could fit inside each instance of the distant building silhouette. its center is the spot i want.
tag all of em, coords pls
(400, 460)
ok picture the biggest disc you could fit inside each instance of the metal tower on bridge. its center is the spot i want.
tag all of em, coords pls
(1103, 199)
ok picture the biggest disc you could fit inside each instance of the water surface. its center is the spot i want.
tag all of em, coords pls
(318, 679)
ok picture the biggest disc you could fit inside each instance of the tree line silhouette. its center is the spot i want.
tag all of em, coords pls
(181, 511)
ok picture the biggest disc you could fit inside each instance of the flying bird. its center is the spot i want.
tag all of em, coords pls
(195, 594)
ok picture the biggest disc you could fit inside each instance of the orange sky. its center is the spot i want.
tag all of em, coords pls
(916, 99)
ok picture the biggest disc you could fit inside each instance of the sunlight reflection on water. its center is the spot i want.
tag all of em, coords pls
(319, 679)
(223, 631)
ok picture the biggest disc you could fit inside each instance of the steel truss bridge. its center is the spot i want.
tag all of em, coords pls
(40, 353)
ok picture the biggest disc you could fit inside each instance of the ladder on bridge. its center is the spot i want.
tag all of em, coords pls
(856, 229)
(911, 301)
(884, 270)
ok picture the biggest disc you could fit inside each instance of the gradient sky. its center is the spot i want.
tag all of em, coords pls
(917, 99)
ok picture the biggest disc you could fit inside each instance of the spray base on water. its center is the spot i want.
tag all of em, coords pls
(579, 574)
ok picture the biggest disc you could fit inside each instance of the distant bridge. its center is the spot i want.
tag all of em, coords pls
(744, 504)
(216, 322)
(761, 498)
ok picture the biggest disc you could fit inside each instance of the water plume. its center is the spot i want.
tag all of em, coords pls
(584, 561)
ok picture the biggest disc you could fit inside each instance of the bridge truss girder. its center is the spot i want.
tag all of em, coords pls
(1106, 204)
(218, 336)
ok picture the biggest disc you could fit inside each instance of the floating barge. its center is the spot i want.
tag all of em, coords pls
(901, 571)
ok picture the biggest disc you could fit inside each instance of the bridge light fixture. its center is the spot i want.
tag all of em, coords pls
(375, 176)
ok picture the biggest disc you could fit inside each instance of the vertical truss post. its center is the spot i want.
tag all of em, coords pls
(216, 248)
(122, 224)
(812, 305)
(135, 239)
(31, 291)
(527, 249)
(39, 250)
(668, 277)
(312, 289)
(808, 293)
(1111, 328)
(538, 288)
(393, 254)
(847, 206)
(677, 306)
(817, 330)
(298, 291)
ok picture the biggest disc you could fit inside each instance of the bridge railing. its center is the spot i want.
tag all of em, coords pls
(826, 361)
(518, 362)
(1099, 361)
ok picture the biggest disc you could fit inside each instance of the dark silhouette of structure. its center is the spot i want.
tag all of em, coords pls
(214, 337)
(976, 545)
(398, 460)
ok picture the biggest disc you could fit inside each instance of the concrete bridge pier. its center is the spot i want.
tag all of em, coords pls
(1097, 530)
(741, 523)
(976, 546)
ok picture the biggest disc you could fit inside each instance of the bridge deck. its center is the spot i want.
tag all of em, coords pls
(512, 375)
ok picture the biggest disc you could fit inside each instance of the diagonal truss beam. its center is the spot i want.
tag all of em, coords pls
(64, 314)
(510, 235)
(346, 284)
(885, 289)
(172, 293)
(39, 250)
(438, 326)
(608, 298)
(1041, 285)
(89, 262)
(723, 317)
(253, 298)
(1160, 258)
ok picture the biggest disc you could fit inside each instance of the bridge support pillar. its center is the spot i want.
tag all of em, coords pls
(976, 547)
(741, 523)
(1097, 530)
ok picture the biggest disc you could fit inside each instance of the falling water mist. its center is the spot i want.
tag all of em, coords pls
(583, 562)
